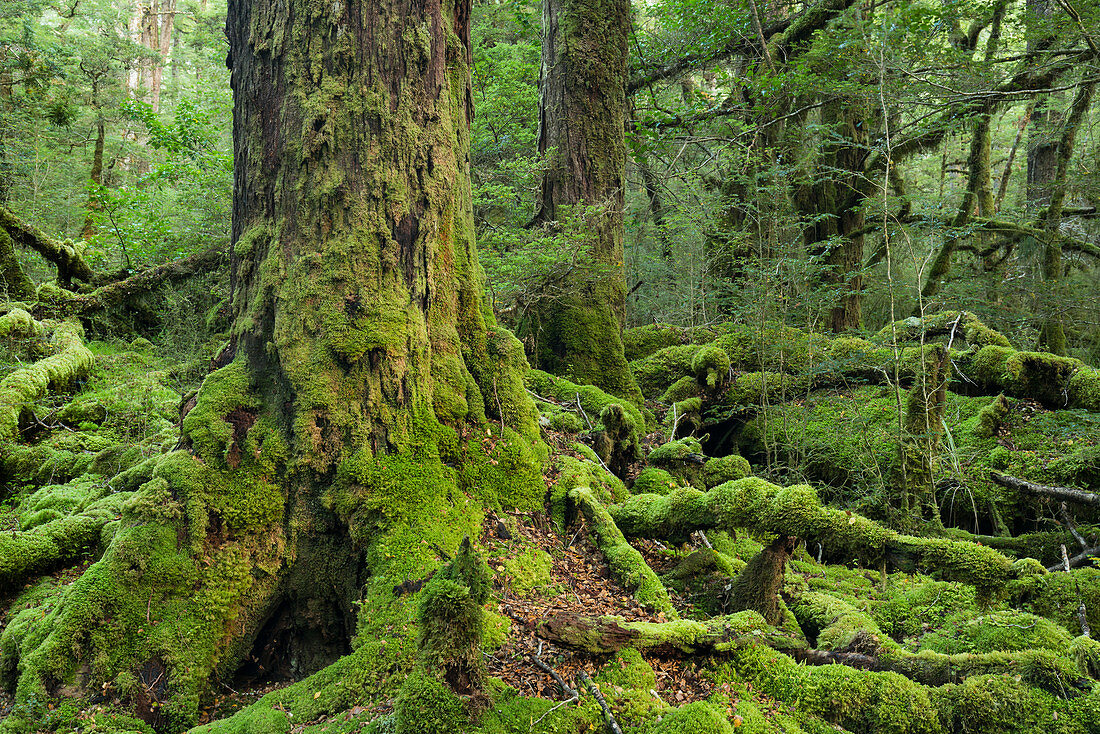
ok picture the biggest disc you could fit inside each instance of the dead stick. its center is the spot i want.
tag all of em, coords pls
(611, 723)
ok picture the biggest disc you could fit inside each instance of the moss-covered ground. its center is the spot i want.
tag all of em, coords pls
(961, 629)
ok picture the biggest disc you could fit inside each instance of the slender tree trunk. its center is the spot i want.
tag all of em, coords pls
(96, 175)
(1052, 336)
(582, 106)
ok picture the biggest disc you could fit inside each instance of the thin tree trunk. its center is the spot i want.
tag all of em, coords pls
(96, 175)
(1052, 336)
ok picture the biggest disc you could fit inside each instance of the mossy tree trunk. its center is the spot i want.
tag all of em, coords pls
(1052, 336)
(832, 203)
(582, 107)
(365, 407)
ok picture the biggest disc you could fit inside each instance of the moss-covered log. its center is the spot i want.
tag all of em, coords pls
(796, 511)
(22, 387)
(69, 262)
(627, 564)
(601, 635)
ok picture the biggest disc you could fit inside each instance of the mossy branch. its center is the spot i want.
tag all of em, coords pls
(1062, 493)
(625, 561)
(118, 292)
(761, 506)
(22, 387)
(70, 264)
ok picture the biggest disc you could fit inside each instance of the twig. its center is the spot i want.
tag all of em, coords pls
(703, 537)
(1065, 558)
(581, 409)
(611, 723)
(574, 696)
(1063, 515)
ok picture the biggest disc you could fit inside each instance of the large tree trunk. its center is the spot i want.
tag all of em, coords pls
(343, 441)
(582, 107)
(833, 205)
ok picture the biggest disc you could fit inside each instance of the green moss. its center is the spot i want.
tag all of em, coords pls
(722, 469)
(682, 389)
(628, 669)
(566, 422)
(711, 366)
(1007, 631)
(1086, 651)
(700, 717)
(528, 571)
(657, 372)
(425, 706)
(654, 481)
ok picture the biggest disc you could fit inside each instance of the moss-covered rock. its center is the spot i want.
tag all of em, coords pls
(722, 469)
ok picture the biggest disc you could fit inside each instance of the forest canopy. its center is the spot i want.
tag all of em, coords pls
(450, 366)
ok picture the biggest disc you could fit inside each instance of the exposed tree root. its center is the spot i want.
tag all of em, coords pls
(626, 562)
(52, 545)
(22, 387)
(796, 511)
(1063, 493)
(855, 639)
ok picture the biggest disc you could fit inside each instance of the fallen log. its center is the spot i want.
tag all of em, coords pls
(69, 262)
(761, 506)
(1063, 493)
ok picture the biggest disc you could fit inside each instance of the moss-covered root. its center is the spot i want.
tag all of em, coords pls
(625, 561)
(844, 628)
(757, 586)
(601, 635)
(796, 511)
(22, 387)
(52, 544)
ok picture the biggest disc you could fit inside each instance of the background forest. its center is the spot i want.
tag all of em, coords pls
(847, 479)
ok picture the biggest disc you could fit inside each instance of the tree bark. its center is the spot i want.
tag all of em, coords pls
(582, 107)
(344, 434)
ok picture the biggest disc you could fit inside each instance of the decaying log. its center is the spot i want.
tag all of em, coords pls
(602, 635)
(70, 264)
(1078, 560)
(1063, 493)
